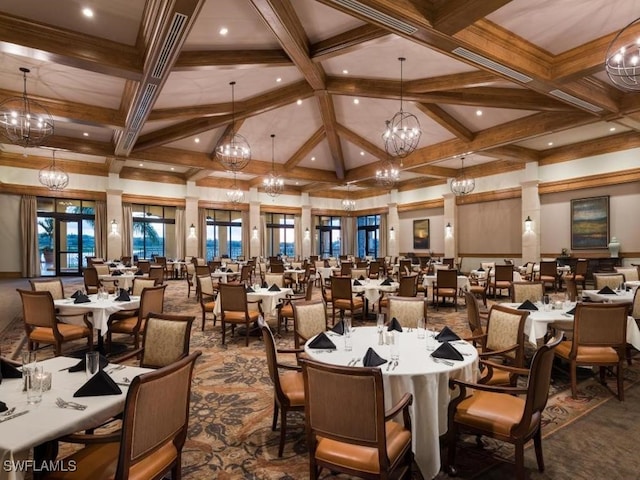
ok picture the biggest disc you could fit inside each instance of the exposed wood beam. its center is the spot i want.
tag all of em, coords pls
(212, 59)
(281, 18)
(115, 165)
(446, 121)
(211, 110)
(589, 148)
(328, 114)
(423, 182)
(68, 48)
(88, 147)
(304, 150)
(147, 175)
(452, 81)
(513, 153)
(435, 171)
(454, 15)
(346, 42)
(364, 144)
(36, 162)
(195, 174)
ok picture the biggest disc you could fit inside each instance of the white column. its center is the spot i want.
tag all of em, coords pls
(305, 225)
(191, 218)
(393, 224)
(530, 209)
(114, 212)
(450, 233)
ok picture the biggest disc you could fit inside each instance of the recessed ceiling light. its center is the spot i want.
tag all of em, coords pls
(361, 153)
(612, 129)
(297, 183)
(550, 144)
(141, 164)
(345, 71)
(356, 101)
(197, 140)
(479, 113)
(224, 31)
(278, 79)
(299, 102)
(85, 134)
(87, 12)
(172, 169)
(313, 159)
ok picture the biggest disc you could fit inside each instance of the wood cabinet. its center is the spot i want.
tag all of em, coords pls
(595, 264)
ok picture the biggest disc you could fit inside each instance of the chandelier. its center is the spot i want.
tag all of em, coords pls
(24, 121)
(233, 150)
(403, 132)
(348, 205)
(53, 177)
(462, 185)
(235, 195)
(388, 175)
(622, 62)
(273, 184)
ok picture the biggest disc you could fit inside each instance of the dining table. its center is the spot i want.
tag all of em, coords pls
(270, 300)
(619, 296)
(416, 372)
(125, 279)
(46, 421)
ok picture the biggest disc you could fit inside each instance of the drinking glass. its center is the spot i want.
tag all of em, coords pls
(432, 343)
(348, 342)
(394, 345)
(34, 377)
(546, 302)
(380, 322)
(92, 363)
(28, 362)
(421, 327)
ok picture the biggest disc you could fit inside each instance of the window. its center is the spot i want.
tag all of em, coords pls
(224, 234)
(368, 235)
(329, 236)
(280, 234)
(153, 230)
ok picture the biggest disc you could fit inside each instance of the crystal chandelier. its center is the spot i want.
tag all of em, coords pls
(235, 195)
(388, 175)
(403, 132)
(233, 151)
(53, 177)
(462, 185)
(348, 205)
(622, 61)
(24, 121)
(273, 184)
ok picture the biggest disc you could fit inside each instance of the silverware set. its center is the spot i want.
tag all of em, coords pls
(392, 365)
(443, 361)
(125, 382)
(65, 404)
(115, 369)
(353, 362)
(8, 416)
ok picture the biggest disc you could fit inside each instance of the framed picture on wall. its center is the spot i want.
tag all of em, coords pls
(589, 223)
(421, 234)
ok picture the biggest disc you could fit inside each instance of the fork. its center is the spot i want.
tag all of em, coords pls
(395, 364)
(8, 412)
(65, 404)
(445, 362)
(115, 369)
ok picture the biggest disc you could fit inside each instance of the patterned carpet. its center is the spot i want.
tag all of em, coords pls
(230, 433)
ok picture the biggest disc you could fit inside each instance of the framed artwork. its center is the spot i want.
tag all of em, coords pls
(421, 234)
(589, 223)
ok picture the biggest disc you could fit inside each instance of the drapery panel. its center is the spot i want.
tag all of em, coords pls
(349, 243)
(297, 236)
(100, 229)
(127, 230)
(180, 232)
(202, 232)
(382, 235)
(29, 236)
(246, 234)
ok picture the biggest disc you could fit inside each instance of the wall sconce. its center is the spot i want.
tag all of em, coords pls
(255, 232)
(528, 224)
(448, 229)
(114, 226)
(392, 234)
(307, 234)
(192, 230)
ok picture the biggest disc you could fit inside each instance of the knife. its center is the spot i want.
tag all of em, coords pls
(19, 414)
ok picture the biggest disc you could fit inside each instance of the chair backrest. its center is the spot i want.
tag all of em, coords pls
(277, 268)
(233, 298)
(161, 261)
(37, 308)
(234, 267)
(447, 279)
(360, 388)
(245, 274)
(272, 363)
(143, 435)
(611, 280)
(548, 268)
(450, 262)
(205, 285)
(345, 268)
(91, 279)
(202, 270)
(102, 268)
(407, 310)
(630, 273)
(473, 316)
(212, 264)
(277, 278)
(408, 286)
(151, 301)
(505, 328)
(599, 325)
(191, 270)
(635, 310)
(503, 273)
(51, 285)
(582, 265)
(166, 339)
(359, 272)
(126, 260)
(143, 265)
(571, 288)
(374, 268)
(140, 284)
(532, 291)
(309, 319)
(404, 267)
(528, 269)
(487, 265)
(157, 273)
(341, 288)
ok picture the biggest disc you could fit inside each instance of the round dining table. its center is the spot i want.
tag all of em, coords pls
(417, 373)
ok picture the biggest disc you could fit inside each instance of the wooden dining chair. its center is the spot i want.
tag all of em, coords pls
(91, 281)
(208, 293)
(501, 280)
(285, 307)
(446, 286)
(408, 287)
(532, 291)
(342, 298)
(157, 273)
(51, 285)
(611, 280)
(549, 274)
(474, 320)
(234, 310)
(407, 310)
(309, 319)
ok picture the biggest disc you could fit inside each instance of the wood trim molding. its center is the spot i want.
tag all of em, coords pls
(490, 255)
(601, 180)
(329, 212)
(280, 209)
(505, 194)
(238, 207)
(45, 192)
(149, 200)
(426, 204)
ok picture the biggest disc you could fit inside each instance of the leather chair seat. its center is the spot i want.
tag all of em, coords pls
(292, 384)
(362, 458)
(343, 304)
(209, 306)
(287, 311)
(239, 317)
(492, 412)
(588, 354)
(126, 325)
(446, 292)
(502, 284)
(547, 278)
(68, 332)
(579, 278)
(499, 377)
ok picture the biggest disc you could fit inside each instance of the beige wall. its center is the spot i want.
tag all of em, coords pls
(10, 256)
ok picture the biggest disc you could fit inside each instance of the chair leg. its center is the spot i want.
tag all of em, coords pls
(537, 443)
(519, 461)
(283, 431)
(574, 383)
(276, 410)
(246, 334)
(224, 330)
(620, 381)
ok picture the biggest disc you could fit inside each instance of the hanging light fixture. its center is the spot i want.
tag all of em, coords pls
(403, 132)
(622, 61)
(273, 184)
(53, 177)
(462, 185)
(388, 175)
(235, 195)
(24, 121)
(233, 151)
(348, 204)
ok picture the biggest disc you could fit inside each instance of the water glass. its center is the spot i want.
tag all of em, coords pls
(28, 362)
(380, 322)
(421, 327)
(348, 341)
(92, 363)
(432, 343)
(394, 345)
(546, 302)
(34, 378)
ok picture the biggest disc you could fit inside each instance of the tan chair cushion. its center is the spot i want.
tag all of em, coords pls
(588, 354)
(292, 384)
(126, 325)
(68, 332)
(287, 311)
(239, 317)
(209, 306)
(363, 458)
(344, 304)
(446, 292)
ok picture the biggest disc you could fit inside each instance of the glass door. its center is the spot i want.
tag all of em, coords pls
(74, 242)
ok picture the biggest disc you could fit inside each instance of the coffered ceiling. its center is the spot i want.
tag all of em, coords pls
(142, 89)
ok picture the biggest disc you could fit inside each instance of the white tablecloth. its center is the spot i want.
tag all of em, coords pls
(325, 272)
(417, 374)
(463, 282)
(371, 288)
(483, 274)
(269, 299)
(99, 309)
(537, 323)
(45, 421)
(224, 276)
(124, 281)
(619, 297)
